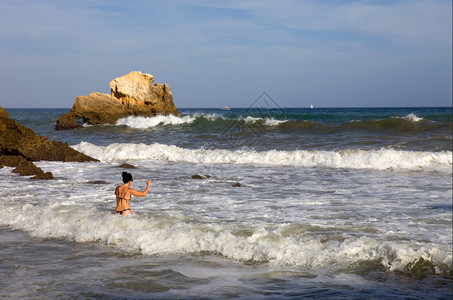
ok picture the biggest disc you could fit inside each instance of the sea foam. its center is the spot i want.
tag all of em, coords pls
(265, 121)
(149, 122)
(156, 235)
(355, 159)
(412, 117)
(138, 122)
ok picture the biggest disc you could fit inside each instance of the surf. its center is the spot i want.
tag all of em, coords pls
(298, 245)
(381, 159)
(138, 122)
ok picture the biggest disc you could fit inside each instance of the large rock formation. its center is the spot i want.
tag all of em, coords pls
(19, 146)
(131, 95)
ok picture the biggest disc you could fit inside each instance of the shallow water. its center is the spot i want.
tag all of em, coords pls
(54, 268)
(318, 220)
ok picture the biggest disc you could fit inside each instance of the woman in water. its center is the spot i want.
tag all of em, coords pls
(124, 193)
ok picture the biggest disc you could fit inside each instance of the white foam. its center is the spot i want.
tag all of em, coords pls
(412, 117)
(210, 117)
(149, 122)
(310, 229)
(266, 121)
(166, 234)
(354, 159)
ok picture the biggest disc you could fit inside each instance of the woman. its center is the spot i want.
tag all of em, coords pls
(124, 193)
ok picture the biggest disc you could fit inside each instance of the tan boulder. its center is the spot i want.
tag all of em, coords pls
(135, 85)
(131, 95)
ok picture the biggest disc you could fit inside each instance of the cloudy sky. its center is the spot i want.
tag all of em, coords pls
(332, 53)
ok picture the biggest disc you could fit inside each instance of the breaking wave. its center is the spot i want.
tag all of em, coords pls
(148, 122)
(407, 124)
(196, 119)
(281, 245)
(355, 159)
(412, 117)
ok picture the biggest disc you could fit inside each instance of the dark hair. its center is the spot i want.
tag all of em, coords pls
(127, 177)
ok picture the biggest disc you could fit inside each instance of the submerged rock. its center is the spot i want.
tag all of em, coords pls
(20, 146)
(127, 166)
(97, 182)
(198, 176)
(134, 94)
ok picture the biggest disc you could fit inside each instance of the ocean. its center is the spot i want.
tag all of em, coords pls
(342, 203)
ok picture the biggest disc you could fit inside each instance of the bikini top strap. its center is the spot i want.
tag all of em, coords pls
(124, 194)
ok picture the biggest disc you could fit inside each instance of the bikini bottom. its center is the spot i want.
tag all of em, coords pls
(120, 212)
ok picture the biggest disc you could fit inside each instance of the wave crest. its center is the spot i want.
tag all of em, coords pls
(279, 246)
(138, 122)
(355, 159)
(149, 122)
(263, 121)
(412, 117)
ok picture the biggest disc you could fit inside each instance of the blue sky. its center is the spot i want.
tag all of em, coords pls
(215, 53)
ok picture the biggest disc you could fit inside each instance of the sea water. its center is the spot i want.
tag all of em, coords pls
(294, 203)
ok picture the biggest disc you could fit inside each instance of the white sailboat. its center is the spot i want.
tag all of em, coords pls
(311, 106)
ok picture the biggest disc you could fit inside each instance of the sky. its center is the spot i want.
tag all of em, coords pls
(329, 53)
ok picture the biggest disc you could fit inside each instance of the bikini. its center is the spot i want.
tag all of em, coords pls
(120, 212)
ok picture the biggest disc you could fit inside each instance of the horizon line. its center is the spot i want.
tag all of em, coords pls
(289, 107)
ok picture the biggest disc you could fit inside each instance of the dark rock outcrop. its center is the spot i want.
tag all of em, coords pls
(24, 167)
(202, 177)
(20, 146)
(131, 95)
(127, 166)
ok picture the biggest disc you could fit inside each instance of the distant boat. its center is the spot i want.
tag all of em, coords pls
(225, 108)
(311, 106)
